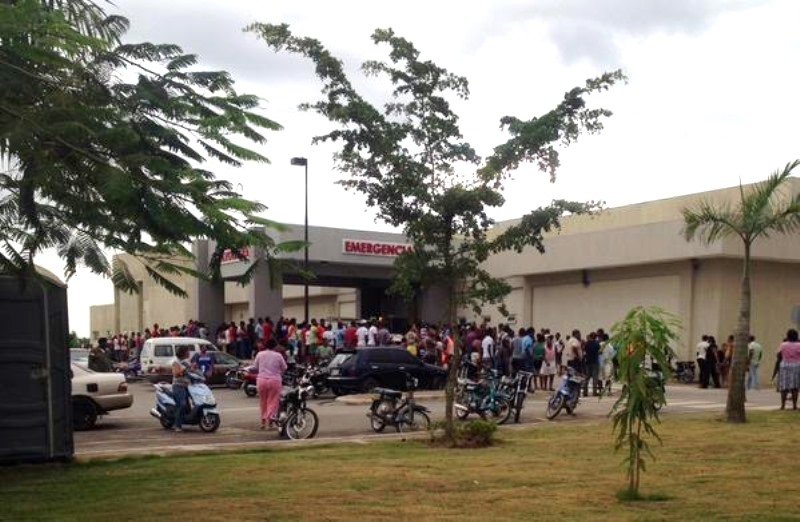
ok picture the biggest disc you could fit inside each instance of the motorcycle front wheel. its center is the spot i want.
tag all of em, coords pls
(554, 405)
(209, 422)
(250, 390)
(518, 407)
(302, 424)
(233, 382)
(377, 423)
(500, 412)
(462, 398)
(420, 422)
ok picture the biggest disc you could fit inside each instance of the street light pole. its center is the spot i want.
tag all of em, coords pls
(304, 163)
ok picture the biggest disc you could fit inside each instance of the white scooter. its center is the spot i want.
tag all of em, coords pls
(201, 410)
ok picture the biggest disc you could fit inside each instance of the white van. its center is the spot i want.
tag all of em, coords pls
(157, 354)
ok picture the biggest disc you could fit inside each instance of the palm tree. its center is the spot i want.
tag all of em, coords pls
(762, 210)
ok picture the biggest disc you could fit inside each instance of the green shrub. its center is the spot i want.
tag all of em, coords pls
(472, 434)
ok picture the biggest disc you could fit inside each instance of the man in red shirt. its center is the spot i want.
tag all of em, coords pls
(268, 329)
(350, 336)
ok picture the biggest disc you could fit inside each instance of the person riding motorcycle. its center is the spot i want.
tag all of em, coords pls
(99, 361)
(180, 383)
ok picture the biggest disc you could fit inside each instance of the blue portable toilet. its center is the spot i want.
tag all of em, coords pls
(35, 380)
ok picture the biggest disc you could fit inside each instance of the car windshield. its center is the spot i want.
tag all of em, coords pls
(339, 359)
(225, 358)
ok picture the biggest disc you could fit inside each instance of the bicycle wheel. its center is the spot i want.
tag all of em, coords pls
(554, 405)
(302, 424)
(420, 422)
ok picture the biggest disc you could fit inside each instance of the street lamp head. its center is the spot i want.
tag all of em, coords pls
(299, 162)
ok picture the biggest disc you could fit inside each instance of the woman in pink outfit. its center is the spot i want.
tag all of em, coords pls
(270, 365)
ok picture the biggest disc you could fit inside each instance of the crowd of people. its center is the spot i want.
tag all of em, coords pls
(501, 348)
(714, 361)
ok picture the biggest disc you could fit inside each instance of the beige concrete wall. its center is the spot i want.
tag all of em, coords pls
(703, 294)
(648, 212)
(562, 302)
(324, 302)
(774, 295)
(237, 312)
(101, 319)
(644, 233)
(319, 307)
(154, 304)
(602, 303)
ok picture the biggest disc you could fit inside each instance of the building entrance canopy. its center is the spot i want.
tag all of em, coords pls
(337, 258)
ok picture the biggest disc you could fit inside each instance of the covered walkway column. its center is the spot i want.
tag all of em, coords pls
(264, 299)
(206, 299)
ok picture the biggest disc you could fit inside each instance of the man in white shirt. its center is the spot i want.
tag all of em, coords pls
(573, 352)
(260, 329)
(488, 349)
(361, 335)
(755, 352)
(702, 346)
(372, 334)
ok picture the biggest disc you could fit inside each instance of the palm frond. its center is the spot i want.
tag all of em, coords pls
(122, 277)
(770, 208)
(710, 222)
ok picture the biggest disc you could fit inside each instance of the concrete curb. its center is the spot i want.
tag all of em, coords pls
(288, 445)
(236, 447)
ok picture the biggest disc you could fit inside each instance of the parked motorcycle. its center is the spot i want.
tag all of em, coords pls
(685, 372)
(234, 378)
(295, 419)
(567, 396)
(318, 377)
(243, 377)
(201, 409)
(388, 409)
(132, 369)
(486, 398)
(656, 380)
(517, 387)
(250, 381)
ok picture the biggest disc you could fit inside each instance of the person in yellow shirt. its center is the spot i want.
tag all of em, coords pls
(411, 344)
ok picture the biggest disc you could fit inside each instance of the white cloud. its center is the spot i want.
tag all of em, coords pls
(711, 98)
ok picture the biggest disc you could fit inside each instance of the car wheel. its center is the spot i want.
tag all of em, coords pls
(84, 414)
(439, 383)
(338, 391)
(369, 385)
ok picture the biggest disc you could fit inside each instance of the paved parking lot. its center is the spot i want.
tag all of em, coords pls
(135, 429)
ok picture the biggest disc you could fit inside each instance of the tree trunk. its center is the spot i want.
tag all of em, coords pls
(736, 381)
(452, 369)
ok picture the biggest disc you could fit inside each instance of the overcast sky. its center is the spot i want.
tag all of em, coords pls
(711, 98)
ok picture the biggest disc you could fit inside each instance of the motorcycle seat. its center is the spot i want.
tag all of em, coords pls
(165, 387)
(387, 392)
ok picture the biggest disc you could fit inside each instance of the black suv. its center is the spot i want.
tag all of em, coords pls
(386, 367)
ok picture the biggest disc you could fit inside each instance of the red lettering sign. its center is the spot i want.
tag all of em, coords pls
(229, 256)
(360, 247)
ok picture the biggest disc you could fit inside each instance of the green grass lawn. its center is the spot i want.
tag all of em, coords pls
(706, 468)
